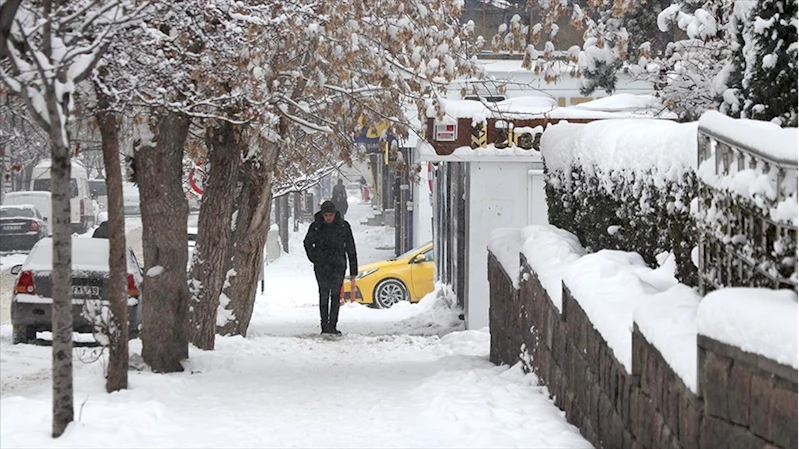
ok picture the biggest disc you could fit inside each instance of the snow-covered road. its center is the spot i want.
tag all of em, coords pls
(403, 377)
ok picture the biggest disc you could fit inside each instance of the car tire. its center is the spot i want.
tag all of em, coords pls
(23, 334)
(389, 292)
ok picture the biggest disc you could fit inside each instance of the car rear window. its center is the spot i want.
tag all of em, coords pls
(87, 254)
(10, 211)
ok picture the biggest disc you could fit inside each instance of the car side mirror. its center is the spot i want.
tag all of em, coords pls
(16, 269)
(420, 258)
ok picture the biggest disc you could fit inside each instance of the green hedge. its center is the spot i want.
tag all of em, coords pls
(651, 219)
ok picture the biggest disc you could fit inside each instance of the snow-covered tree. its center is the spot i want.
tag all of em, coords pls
(641, 22)
(51, 47)
(604, 51)
(770, 79)
(728, 84)
(684, 77)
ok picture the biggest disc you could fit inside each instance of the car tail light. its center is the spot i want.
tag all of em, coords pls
(133, 289)
(34, 227)
(82, 207)
(25, 283)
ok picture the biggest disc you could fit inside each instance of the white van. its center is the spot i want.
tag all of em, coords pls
(82, 215)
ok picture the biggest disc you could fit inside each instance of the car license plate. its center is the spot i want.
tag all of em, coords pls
(12, 228)
(85, 291)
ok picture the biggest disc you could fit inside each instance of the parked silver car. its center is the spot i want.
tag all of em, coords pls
(21, 226)
(32, 302)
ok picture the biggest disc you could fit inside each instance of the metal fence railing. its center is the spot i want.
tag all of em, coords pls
(742, 244)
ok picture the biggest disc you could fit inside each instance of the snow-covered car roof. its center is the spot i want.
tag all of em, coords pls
(27, 193)
(88, 254)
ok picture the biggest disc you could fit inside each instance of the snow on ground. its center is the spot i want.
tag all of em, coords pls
(402, 377)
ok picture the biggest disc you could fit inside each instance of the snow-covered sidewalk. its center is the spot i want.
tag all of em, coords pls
(403, 377)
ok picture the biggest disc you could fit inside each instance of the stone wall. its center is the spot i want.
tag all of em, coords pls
(750, 401)
(666, 413)
(651, 407)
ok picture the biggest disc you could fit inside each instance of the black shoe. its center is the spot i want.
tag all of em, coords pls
(334, 331)
(325, 330)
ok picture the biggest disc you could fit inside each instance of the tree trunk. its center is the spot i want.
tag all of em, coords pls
(61, 170)
(252, 227)
(63, 408)
(283, 223)
(212, 251)
(117, 260)
(164, 213)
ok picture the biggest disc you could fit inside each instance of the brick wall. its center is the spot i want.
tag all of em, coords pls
(650, 407)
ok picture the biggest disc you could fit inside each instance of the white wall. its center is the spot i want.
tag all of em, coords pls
(422, 209)
(498, 198)
(537, 211)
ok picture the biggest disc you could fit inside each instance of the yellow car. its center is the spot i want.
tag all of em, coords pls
(408, 277)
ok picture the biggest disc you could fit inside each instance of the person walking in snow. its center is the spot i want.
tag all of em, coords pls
(329, 245)
(340, 198)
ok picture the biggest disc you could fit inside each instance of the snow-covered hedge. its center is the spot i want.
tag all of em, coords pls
(626, 185)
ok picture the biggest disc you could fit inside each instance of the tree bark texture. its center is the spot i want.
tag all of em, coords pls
(212, 251)
(8, 11)
(252, 228)
(63, 402)
(117, 260)
(164, 213)
(61, 276)
(283, 223)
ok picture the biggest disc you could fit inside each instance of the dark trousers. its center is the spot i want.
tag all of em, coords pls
(330, 281)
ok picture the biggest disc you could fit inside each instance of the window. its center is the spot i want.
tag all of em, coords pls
(9, 212)
(488, 99)
(97, 188)
(43, 185)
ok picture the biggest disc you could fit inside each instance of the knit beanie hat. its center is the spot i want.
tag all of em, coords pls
(328, 207)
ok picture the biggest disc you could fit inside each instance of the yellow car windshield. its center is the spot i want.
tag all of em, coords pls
(411, 252)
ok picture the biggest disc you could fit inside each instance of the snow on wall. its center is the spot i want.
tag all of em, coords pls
(668, 322)
(609, 285)
(759, 321)
(549, 250)
(504, 243)
(616, 146)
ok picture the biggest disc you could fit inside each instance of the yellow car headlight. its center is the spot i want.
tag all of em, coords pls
(363, 274)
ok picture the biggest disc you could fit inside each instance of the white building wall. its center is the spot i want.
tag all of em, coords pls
(422, 208)
(537, 211)
(498, 198)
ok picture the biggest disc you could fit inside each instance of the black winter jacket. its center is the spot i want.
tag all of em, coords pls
(102, 231)
(328, 246)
